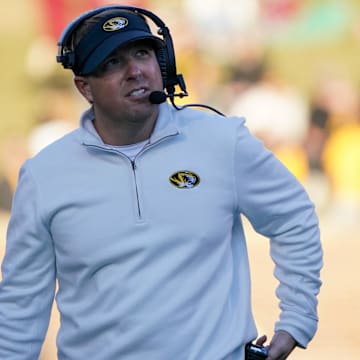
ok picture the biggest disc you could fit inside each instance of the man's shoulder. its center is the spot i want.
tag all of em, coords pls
(57, 151)
(207, 121)
(62, 144)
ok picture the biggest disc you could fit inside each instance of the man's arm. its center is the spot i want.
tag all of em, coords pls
(279, 208)
(28, 276)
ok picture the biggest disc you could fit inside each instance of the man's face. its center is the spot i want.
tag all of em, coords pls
(120, 87)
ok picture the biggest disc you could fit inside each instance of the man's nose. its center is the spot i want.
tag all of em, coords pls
(133, 69)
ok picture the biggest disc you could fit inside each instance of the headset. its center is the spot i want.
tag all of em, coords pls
(165, 55)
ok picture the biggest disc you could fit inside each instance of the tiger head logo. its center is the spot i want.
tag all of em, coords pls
(116, 23)
(184, 179)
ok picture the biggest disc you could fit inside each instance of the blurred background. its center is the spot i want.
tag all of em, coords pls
(291, 67)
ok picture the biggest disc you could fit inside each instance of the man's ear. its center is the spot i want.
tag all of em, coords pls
(82, 84)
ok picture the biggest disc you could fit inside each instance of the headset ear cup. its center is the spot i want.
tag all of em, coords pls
(163, 63)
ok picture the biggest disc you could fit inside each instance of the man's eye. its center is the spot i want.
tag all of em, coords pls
(143, 52)
(111, 63)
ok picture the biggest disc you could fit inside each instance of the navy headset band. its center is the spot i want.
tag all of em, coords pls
(67, 57)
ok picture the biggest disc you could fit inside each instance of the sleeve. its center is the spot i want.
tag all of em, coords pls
(28, 276)
(279, 208)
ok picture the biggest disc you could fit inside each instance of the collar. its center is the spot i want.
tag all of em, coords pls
(165, 126)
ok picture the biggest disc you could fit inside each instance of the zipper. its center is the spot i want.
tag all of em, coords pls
(139, 212)
(134, 167)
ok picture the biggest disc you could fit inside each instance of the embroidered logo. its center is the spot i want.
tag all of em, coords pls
(116, 23)
(184, 179)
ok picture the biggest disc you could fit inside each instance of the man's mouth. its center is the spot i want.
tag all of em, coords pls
(137, 92)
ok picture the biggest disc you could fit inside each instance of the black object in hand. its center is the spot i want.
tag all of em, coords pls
(255, 352)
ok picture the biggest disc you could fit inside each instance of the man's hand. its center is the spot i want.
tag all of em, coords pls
(281, 345)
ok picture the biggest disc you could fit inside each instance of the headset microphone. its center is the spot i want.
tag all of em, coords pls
(157, 97)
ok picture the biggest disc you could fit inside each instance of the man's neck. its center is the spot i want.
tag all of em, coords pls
(124, 132)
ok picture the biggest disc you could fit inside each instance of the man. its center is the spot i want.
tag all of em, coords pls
(136, 214)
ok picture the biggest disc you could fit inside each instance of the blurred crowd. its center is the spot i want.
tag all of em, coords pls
(225, 50)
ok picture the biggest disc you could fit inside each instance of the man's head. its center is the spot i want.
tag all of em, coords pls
(94, 35)
(99, 36)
